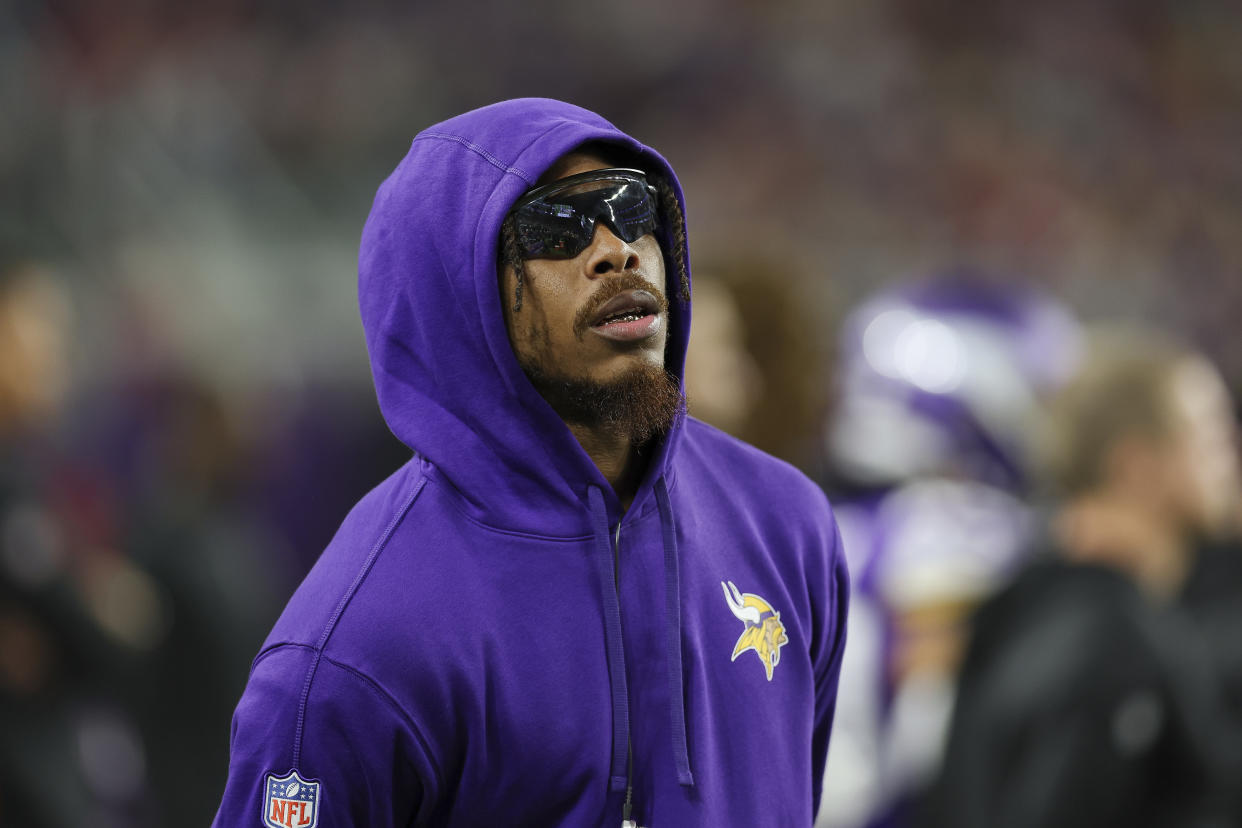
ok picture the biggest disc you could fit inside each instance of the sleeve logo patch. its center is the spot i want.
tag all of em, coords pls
(290, 801)
(763, 631)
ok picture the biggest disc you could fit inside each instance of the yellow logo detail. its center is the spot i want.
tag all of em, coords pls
(764, 632)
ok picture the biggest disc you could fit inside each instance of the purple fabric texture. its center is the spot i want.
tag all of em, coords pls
(489, 639)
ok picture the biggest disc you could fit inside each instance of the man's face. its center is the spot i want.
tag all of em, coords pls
(1203, 468)
(572, 327)
(557, 292)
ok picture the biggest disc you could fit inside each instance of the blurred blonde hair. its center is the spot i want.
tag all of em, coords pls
(1123, 389)
(34, 329)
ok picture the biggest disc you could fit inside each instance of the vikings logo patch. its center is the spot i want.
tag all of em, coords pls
(290, 801)
(764, 632)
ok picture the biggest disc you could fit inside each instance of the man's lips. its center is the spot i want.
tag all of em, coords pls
(625, 308)
(629, 316)
(630, 303)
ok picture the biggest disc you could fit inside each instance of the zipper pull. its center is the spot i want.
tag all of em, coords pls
(626, 822)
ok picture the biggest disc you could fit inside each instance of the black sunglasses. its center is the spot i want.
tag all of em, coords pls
(557, 220)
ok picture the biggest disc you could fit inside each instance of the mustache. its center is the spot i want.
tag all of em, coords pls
(609, 290)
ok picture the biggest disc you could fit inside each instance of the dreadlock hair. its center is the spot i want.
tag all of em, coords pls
(673, 242)
(674, 225)
(511, 256)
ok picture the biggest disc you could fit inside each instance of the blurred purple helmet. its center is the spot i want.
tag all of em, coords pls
(947, 377)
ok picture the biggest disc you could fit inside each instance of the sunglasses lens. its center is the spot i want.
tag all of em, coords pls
(561, 223)
(545, 233)
(630, 212)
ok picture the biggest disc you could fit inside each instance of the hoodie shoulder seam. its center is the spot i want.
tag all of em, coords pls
(388, 699)
(380, 544)
(271, 649)
(475, 148)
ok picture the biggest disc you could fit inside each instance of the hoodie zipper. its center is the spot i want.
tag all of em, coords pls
(626, 809)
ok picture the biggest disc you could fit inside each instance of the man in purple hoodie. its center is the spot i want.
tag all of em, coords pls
(575, 605)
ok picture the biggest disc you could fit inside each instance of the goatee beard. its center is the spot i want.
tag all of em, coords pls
(641, 404)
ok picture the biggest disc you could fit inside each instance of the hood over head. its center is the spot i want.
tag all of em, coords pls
(448, 382)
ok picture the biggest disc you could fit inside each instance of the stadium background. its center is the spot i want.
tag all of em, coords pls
(193, 178)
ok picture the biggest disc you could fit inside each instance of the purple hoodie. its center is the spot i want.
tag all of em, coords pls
(489, 639)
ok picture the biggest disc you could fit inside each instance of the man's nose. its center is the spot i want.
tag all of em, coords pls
(609, 253)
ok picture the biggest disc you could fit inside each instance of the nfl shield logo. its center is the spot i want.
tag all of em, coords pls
(290, 802)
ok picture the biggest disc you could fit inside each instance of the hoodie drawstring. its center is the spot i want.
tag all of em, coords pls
(672, 608)
(612, 641)
(618, 776)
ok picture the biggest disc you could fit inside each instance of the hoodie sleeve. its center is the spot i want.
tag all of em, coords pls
(833, 606)
(359, 759)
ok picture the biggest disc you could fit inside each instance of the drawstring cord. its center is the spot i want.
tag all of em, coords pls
(612, 641)
(672, 609)
(619, 772)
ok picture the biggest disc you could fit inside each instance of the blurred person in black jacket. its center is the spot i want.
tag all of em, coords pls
(1212, 599)
(1087, 697)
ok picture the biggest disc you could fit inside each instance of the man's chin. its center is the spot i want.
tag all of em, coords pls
(640, 401)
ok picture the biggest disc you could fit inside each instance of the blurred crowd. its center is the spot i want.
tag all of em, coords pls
(147, 542)
(908, 219)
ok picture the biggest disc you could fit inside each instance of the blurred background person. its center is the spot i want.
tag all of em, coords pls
(753, 367)
(940, 383)
(75, 617)
(1085, 699)
(724, 382)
